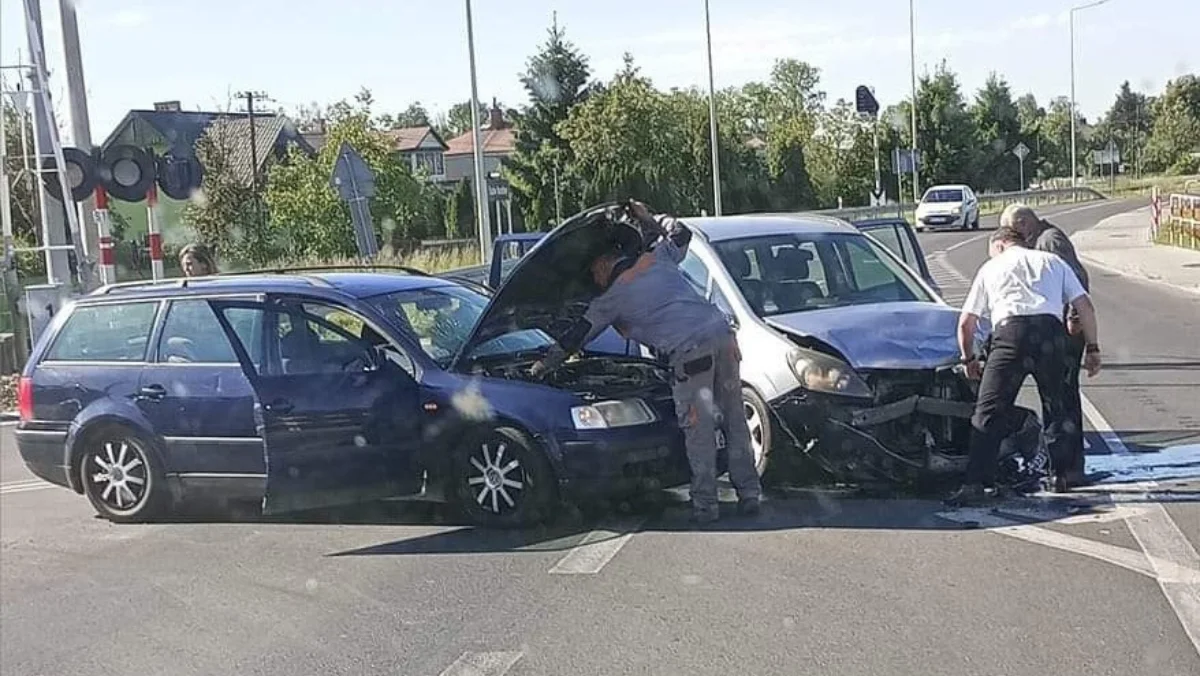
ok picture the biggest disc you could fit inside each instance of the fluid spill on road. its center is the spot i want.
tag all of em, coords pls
(1171, 463)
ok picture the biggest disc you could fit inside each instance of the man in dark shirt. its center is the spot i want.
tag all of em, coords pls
(1043, 236)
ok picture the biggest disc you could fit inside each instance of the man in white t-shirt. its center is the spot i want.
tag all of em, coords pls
(1022, 292)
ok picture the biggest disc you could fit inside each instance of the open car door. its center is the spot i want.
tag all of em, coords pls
(340, 423)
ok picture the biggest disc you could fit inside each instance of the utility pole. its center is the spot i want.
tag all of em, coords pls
(81, 133)
(1071, 18)
(250, 96)
(912, 55)
(481, 188)
(712, 116)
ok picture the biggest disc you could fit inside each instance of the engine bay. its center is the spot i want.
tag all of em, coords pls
(593, 378)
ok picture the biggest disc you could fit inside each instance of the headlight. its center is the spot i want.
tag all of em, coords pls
(956, 210)
(606, 414)
(822, 373)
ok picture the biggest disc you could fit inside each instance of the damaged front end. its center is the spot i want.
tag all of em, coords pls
(910, 427)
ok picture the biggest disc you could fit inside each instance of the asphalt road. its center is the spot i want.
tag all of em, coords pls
(1093, 584)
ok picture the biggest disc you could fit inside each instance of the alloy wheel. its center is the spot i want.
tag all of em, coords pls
(755, 422)
(118, 475)
(496, 481)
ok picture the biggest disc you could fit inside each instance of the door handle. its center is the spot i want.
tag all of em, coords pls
(279, 406)
(152, 392)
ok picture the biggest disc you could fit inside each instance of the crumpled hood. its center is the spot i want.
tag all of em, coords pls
(911, 335)
(551, 286)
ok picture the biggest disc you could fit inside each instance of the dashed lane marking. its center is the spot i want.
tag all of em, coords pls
(483, 664)
(596, 550)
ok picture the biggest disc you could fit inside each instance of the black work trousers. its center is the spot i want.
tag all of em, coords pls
(1072, 430)
(1021, 346)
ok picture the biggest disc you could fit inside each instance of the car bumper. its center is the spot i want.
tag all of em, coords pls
(619, 461)
(935, 222)
(44, 454)
(852, 440)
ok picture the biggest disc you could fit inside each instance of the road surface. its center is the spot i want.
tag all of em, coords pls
(821, 584)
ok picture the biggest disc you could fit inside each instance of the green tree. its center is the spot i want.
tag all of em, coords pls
(840, 157)
(226, 214)
(791, 186)
(1056, 139)
(945, 130)
(998, 129)
(556, 80)
(1032, 118)
(1175, 137)
(23, 190)
(307, 216)
(413, 116)
(1128, 123)
(457, 120)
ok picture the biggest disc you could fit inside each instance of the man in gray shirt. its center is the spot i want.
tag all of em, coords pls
(1043, 236)
(648, 299)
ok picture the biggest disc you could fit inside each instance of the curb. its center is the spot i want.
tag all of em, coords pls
(9, 416)
(1138, 275)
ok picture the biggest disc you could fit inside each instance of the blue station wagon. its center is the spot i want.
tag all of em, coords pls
(312, 390)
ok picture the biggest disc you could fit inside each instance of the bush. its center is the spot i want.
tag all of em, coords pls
(8, 393)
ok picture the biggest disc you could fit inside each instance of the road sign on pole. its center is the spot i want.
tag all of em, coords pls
(1021, 151)
(355, 183)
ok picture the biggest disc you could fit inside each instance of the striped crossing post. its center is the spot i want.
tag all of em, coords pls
(155, 238)
(108, 258)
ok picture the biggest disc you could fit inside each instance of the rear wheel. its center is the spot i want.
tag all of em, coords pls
(975, 223)
(122, 477)
(500, 478)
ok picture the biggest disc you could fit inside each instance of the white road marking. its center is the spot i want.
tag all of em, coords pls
(483, 664)
(24, 486)
(596, 550)
(1176, 562)
(1114, 443)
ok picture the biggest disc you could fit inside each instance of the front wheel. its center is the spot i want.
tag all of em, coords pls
(122, 477)
(500, 478)
(975, 223)
(758, 419)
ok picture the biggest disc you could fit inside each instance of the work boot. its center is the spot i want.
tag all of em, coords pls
(971, 495)
(749, 506)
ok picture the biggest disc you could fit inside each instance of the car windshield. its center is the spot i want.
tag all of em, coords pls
(944, 195)
(441, 319)
(781, 274)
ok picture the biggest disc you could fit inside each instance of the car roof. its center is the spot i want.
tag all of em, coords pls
(947, 186)
(352, 284)
(720, 228)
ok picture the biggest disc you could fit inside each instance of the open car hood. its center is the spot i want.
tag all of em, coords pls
(911, 335)
(551, 286)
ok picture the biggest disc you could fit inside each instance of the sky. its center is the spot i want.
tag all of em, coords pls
(137, 52)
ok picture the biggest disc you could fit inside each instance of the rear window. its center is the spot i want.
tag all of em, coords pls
(112, 332)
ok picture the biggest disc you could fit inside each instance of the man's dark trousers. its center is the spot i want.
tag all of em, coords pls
(1021, 346)
(1072, 460)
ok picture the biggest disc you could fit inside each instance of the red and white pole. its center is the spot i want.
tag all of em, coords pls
(108, 258)
(156, 252)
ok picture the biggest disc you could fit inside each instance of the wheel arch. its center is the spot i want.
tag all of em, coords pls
(84, 433)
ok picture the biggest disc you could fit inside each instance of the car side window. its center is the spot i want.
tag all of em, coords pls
(906, 244)
(117, 332)
(192, 334)
(696, 273)
(891, 239)
(320, 338)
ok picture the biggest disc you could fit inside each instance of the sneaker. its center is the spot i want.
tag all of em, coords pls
(702, 517)
(749, 506)
(971, 495)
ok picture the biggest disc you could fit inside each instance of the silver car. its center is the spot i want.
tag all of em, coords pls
(847, 354)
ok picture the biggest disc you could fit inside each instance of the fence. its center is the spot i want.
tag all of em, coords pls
(1179, 224)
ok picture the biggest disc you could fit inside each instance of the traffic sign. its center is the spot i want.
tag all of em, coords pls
(355, 183)
(864, 101)
(878, 199)
(902, 160)
(1021, 151)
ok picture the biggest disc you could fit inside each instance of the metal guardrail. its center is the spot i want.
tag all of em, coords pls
(987, 202)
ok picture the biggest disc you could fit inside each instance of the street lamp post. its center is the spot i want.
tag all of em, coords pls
(712, 116)
(1071, 21)
(912, 55)
(481, 191)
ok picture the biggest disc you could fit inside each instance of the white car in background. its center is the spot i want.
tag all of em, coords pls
(948, 206)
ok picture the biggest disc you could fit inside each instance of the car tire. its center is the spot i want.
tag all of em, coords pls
(501, 478)
(975, 223)
(122, 476)
(762, 428)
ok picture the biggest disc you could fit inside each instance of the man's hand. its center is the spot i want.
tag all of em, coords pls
(639, 211)
(974, 369)
(538, 369)
(1091, 362)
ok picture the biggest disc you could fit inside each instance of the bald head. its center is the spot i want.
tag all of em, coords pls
(1021, 218)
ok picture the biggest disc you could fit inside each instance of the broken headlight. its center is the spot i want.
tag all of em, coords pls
(606, 414)
(822, 373)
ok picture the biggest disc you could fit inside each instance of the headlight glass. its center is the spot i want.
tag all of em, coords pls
(956, 211)
(823, 373)
(607, 414)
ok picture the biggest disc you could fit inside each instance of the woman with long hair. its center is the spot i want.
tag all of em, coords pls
(196, 260)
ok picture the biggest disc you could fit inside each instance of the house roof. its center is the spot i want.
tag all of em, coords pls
(234, 132)
(495, 142)
(410, 138)
(181, 128)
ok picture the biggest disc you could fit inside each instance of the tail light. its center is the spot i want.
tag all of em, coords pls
(25, 398)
